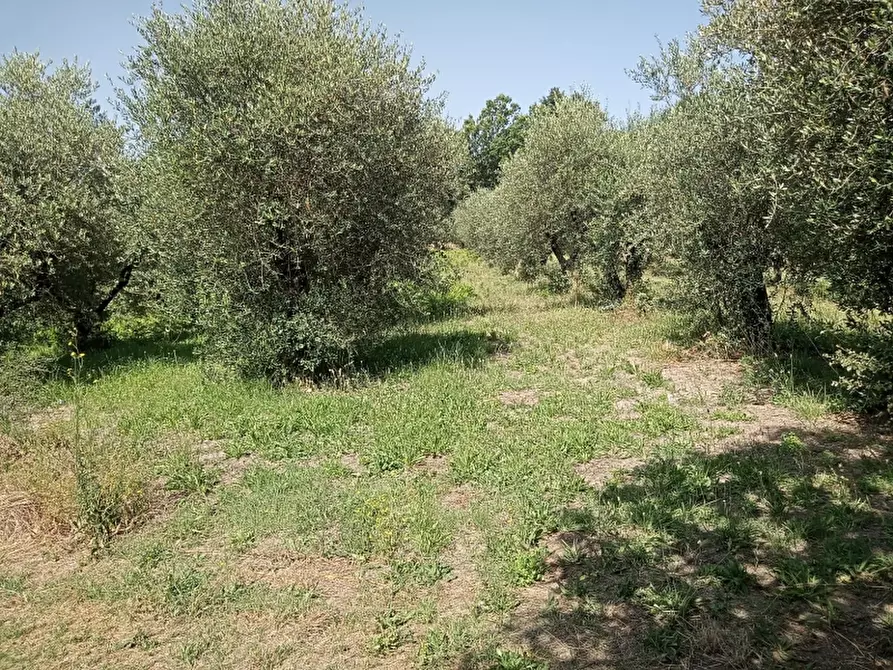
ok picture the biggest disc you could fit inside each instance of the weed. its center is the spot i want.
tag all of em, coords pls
(507, 659)
(392, 632)
(186, 474)
(423, 573)
(192, 652)
(440, 646)
(730, 415)
(732, 575)
(528, 567)
(107, 501)
(12, 585)
(184, 591)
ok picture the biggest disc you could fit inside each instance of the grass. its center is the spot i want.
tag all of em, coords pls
(519, 484)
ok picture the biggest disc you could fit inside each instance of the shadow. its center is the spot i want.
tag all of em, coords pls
(100, 360)
(799, 361)
(407, 351)
(778, 555)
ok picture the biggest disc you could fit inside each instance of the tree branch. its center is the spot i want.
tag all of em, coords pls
(123, 281)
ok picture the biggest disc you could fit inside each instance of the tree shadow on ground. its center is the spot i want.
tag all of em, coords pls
(121, 353)
(775, 555)
(375, 359)
(408, 351)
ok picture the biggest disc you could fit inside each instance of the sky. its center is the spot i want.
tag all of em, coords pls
(476, 48)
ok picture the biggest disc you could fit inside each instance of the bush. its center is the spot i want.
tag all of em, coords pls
(64, 198)
(310, 171)
(867, 372)
(441, 294)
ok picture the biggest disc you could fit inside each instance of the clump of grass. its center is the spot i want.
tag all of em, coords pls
(731, 415)
(392, 631)
(442, 645)
(509, 659)
(659, 417)
(528, 566)
(403, 518)
(185, 473)
(108, 500)
(191, 652)
(99, 486)
(423, 573)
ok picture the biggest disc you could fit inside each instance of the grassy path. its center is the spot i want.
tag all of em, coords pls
(525, 485)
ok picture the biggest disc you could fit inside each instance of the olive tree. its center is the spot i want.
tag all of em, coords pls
(555, 199)
(821, 75)
(706, 207)
(821, 80)
(64, 199)
(315, 167)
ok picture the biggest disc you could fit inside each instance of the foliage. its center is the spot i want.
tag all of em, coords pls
(867, 371)
(820, 79)
(704, 206)
(316, 172)
(64, 199)
(556, 200)
(494, 136)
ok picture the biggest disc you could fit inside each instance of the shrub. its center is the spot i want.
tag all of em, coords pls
(317, 173)
(867, 371)
(64, 199)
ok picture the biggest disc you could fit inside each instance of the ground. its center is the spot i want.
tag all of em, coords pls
(525, 484)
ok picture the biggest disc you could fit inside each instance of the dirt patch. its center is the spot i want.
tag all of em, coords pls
(49, 417)
(769, 423)
(571, 361)
(627, 409)
(459, 498)
(434, 464)
(211, 452)
(524, 398)
(550, 626)
(703, 380)
(339, 581)
(233, 469)
(599, 470)
(706, 383)
(352, 463)
(458, 595)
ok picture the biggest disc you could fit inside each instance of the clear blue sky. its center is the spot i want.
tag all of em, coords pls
(477, 48)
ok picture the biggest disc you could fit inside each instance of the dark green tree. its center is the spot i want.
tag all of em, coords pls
(495, 135)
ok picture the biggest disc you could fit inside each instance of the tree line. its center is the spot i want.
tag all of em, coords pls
(766, 162)
(281, 175)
